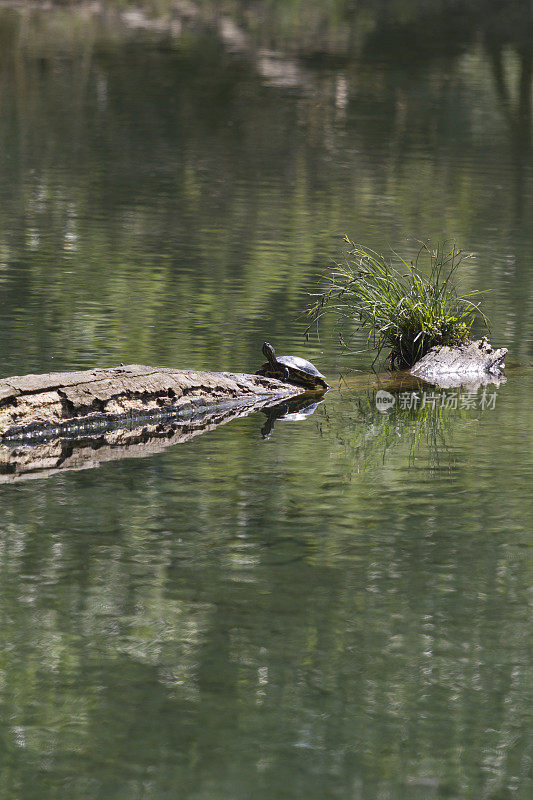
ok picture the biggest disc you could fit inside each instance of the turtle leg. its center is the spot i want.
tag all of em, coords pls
(285, 375)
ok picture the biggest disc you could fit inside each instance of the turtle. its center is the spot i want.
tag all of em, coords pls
(292, 369)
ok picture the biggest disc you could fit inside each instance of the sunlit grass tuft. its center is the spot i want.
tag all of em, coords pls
(408, 308)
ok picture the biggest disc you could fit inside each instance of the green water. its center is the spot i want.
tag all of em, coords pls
(339, 609)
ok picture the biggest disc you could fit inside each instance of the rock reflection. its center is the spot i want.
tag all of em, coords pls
(413, 414)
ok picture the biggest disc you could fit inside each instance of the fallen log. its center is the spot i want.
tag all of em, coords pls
(469, 363)
(57, 402)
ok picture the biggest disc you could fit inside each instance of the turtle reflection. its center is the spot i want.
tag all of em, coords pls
(294, 410)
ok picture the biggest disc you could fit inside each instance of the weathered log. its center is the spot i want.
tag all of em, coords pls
(34, 403)
(469, 363)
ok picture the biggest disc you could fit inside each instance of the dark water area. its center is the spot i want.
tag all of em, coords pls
(334, 604)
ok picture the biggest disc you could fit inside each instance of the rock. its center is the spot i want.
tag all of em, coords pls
(472, 363)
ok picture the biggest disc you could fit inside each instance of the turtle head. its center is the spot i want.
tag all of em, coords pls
(269, 352)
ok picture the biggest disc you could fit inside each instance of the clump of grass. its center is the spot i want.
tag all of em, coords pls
(408, 308)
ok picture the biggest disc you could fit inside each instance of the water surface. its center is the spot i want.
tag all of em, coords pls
(339, 609)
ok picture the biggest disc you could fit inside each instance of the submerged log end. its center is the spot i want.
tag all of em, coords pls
(471, 362)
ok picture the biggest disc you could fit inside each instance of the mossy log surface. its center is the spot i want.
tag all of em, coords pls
(30, 404)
